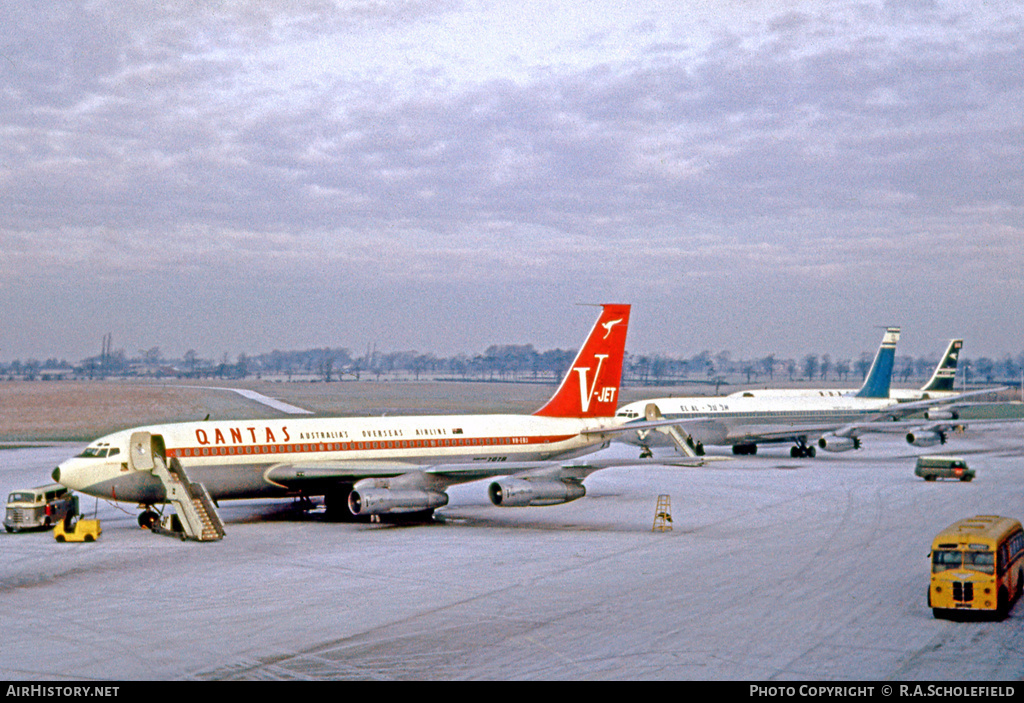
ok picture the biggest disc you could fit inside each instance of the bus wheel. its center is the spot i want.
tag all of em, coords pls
(1002, 605)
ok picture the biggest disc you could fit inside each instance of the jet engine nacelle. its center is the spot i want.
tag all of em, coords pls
(835, 443)
(517, 492)
(926, 438)
(942, 414)
(377, 501)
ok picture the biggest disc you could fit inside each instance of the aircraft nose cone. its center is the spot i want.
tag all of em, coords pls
(56, 475)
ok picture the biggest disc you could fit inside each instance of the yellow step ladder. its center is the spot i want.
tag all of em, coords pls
(663, 514)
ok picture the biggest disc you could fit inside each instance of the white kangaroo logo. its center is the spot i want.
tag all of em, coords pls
(608, 327)
(587, 393)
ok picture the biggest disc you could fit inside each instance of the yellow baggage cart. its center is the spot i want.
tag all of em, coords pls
(81, 531)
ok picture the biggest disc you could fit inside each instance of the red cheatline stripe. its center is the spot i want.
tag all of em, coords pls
(398, 444)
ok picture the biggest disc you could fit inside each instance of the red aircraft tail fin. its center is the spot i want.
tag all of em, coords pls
(591, 387)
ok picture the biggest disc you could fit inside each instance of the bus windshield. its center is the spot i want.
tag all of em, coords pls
(974, 560)
(984, 562)
(21, 498)
(943, 559)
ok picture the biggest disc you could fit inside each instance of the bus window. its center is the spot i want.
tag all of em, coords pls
(984, 562)
(943, 559)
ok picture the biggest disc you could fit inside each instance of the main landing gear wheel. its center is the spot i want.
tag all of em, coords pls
(148, 518)
(803, 451)
(419, 517)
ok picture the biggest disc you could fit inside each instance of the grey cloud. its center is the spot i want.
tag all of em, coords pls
(769, 131)
(54, 58)
(151, 140)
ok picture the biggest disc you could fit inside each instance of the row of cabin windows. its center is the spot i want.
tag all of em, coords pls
(345, 446)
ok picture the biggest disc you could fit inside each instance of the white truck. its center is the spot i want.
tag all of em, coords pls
(41, 507)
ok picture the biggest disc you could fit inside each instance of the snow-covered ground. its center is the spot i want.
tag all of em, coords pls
(776, 568)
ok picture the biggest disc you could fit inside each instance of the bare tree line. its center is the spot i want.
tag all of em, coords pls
(500, 362)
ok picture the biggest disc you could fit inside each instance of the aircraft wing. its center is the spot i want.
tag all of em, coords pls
(887, 419)
(312, 475)
(922, 427)
(892, 421)
(902, 410)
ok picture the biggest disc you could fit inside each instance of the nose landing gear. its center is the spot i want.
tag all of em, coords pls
(148, 517)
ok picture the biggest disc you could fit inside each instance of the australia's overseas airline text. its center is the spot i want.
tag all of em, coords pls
(267, 435)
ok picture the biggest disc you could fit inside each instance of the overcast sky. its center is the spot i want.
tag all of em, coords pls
(439, 175)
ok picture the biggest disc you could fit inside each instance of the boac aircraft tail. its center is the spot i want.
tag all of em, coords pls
(945, 373)
(591, 387)
(879, 379)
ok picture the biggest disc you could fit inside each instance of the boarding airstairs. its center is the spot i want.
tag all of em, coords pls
(684, 443)
(195, 515)
(192, 503)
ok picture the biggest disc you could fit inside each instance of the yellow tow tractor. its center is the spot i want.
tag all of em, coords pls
(71, 530)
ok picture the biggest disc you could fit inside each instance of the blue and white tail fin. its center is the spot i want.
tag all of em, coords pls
(945, 373)
(879, 379)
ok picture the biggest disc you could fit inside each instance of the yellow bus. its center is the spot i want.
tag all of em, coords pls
(977, 566)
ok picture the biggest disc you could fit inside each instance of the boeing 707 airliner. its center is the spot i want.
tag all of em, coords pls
(833, 422)
(377, 465)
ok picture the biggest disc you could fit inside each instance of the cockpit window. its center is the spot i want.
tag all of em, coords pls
(94, 453)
